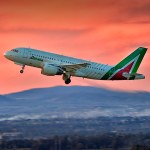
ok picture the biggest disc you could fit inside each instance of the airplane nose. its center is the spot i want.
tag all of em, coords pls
(6, 54)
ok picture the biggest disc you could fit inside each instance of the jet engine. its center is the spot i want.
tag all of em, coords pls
(51, 70)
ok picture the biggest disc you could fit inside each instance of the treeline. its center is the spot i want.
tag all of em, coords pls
(76, 142)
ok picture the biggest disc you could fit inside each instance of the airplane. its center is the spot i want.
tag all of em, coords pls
(53, 64)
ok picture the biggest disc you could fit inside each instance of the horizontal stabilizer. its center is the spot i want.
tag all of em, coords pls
(133, 75)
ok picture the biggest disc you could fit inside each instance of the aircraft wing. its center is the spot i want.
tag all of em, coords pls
(74, 67)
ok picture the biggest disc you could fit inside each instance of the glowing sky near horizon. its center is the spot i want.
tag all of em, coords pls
(103, 31)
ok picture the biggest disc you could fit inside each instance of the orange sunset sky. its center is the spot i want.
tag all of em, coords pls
(98, 30)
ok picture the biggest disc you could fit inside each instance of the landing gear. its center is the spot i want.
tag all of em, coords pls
(67, 81)
(66, 78)
(22, 70)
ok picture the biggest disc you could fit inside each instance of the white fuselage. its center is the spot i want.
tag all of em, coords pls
(37, 58)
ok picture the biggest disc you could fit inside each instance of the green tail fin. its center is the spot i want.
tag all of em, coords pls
(135, 57)
(130, 64)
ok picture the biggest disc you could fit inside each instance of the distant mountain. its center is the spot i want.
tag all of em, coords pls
(73, 101)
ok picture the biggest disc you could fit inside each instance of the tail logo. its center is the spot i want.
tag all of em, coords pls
(128, 65)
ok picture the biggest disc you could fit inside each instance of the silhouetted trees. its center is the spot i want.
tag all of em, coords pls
(77, 142)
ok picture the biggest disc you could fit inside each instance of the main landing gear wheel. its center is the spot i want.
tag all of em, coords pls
(66, 77)
(67, 81)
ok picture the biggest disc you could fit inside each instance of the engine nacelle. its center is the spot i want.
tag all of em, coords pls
(51, 70)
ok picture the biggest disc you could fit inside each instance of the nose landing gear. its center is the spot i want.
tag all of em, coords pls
(22, 70)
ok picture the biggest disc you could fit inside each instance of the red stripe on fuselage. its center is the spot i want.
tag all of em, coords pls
(118, 75)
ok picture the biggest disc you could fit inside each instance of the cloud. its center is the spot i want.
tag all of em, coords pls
(126, 11)
(44, 30)
(74, 14)
(85, 114)
(20, 117)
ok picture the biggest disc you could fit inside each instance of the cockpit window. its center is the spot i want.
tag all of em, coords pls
(15, 50)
